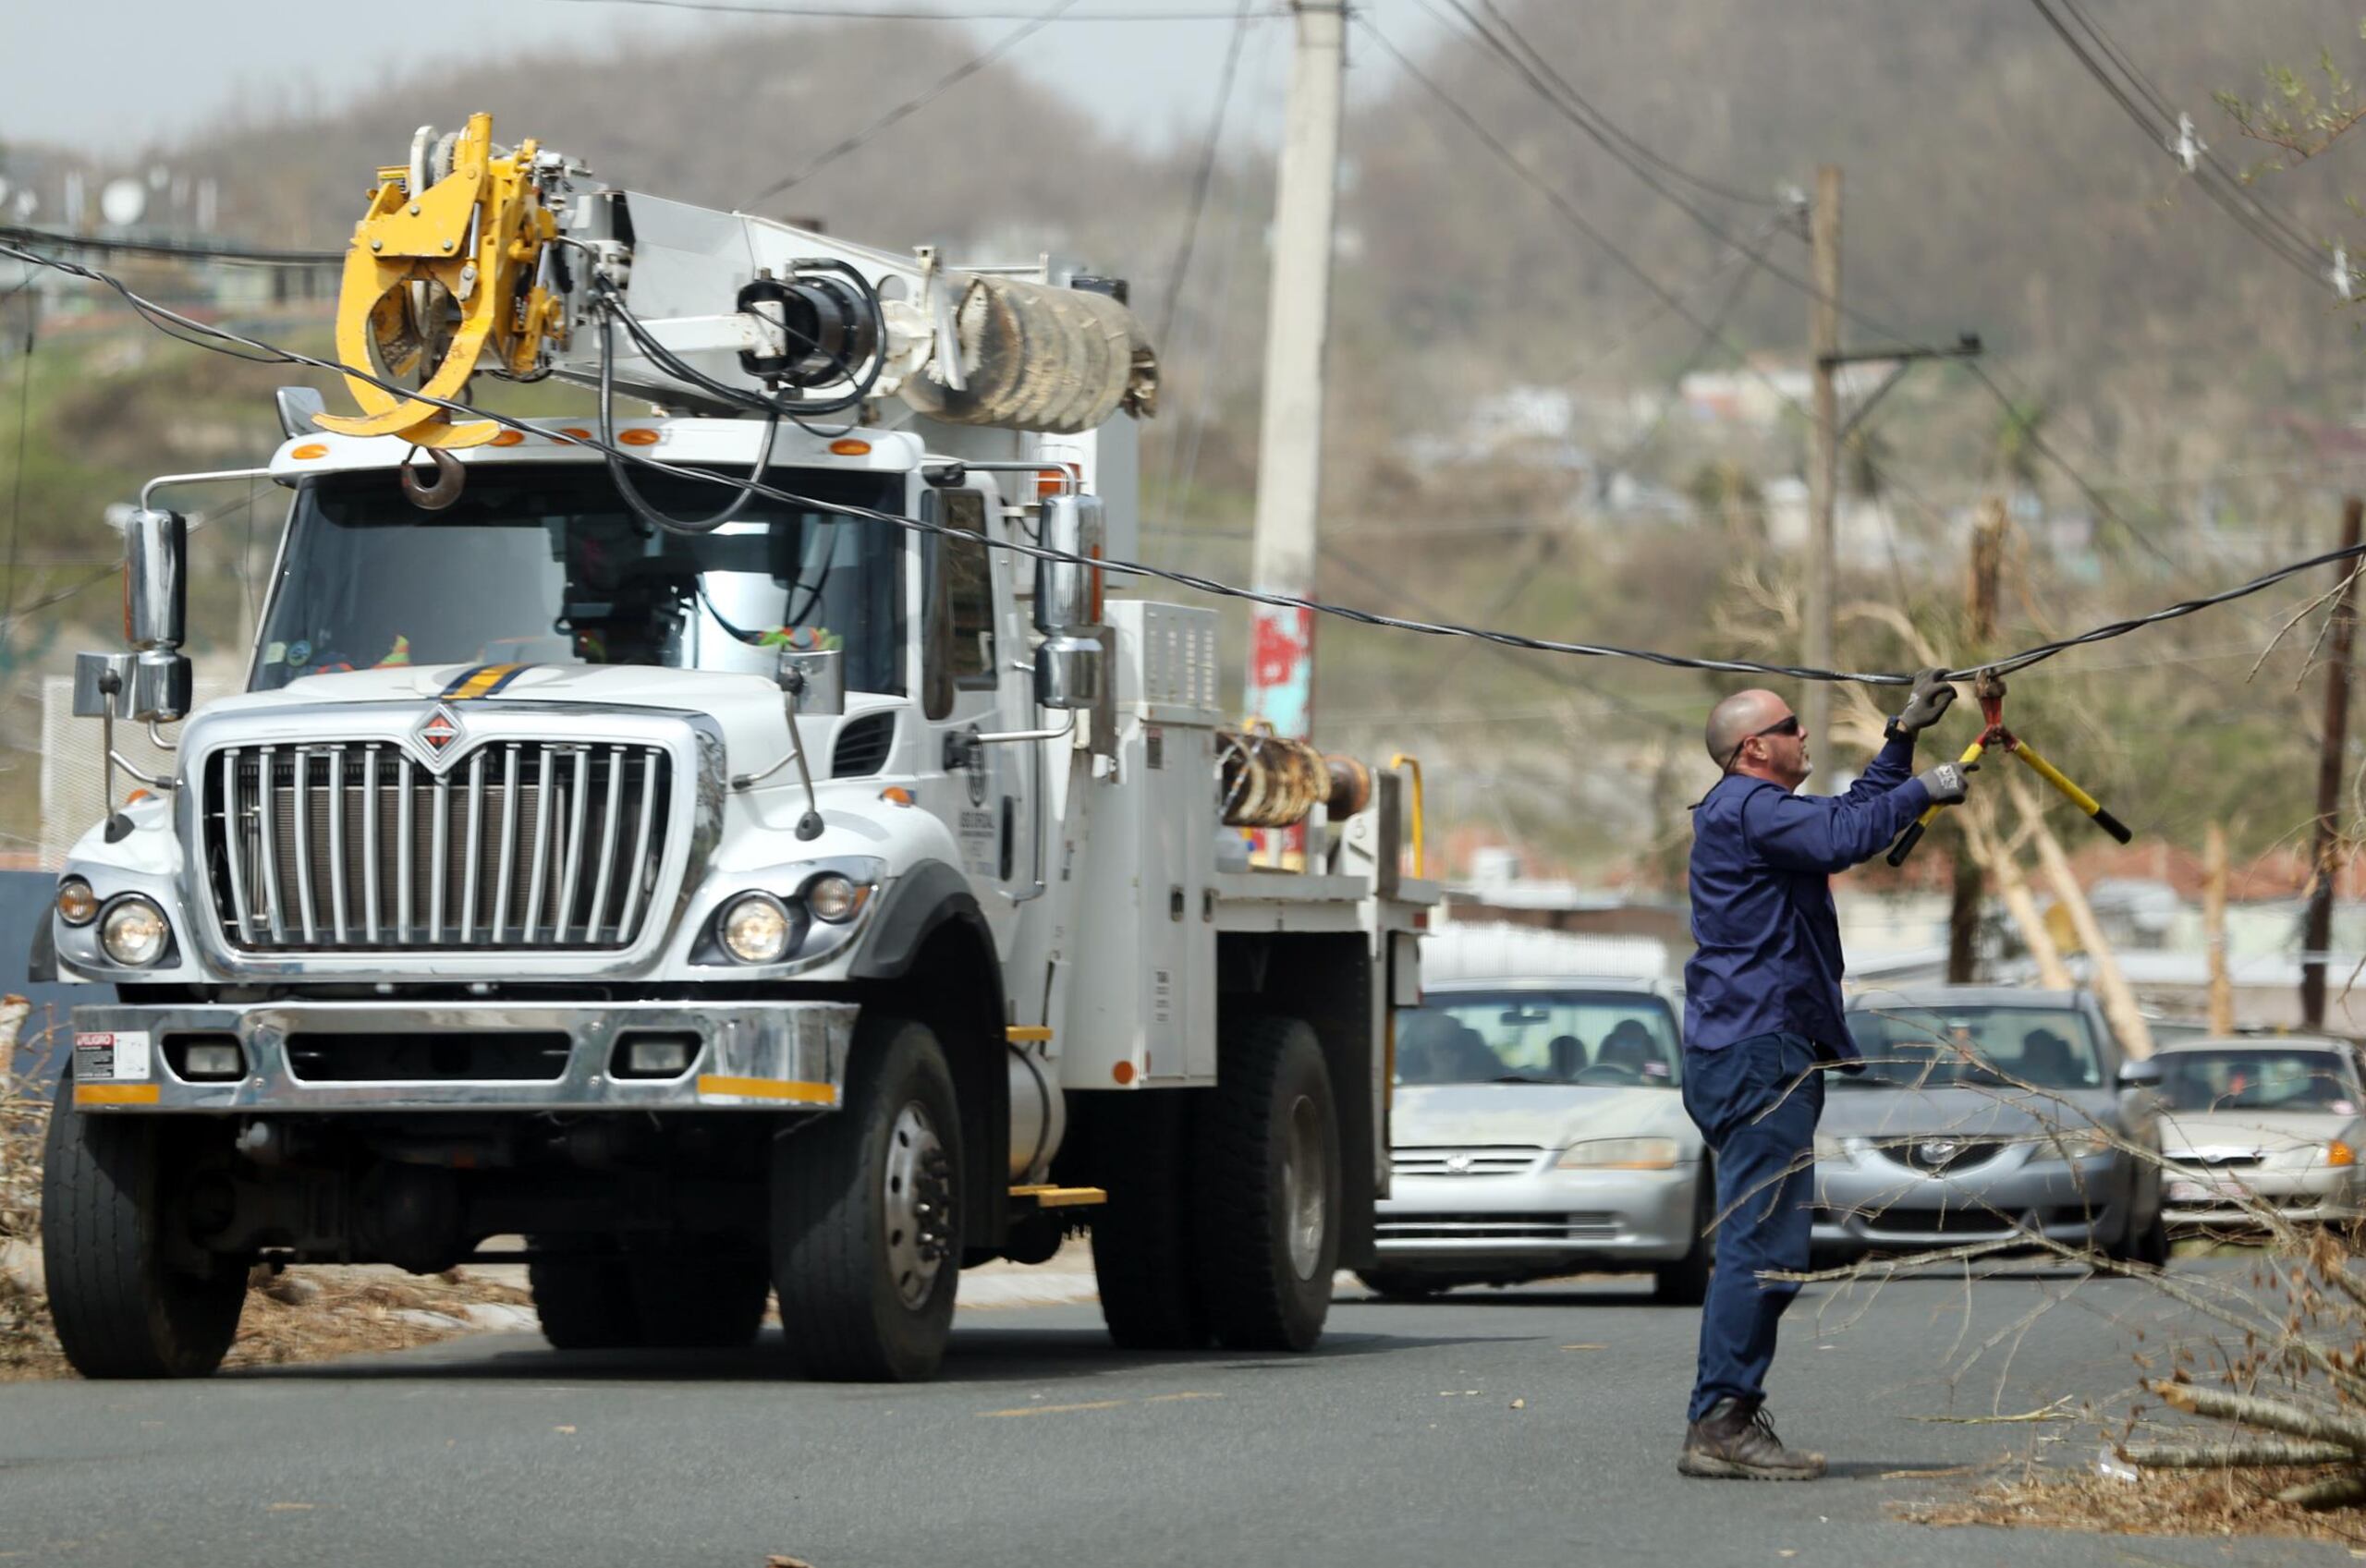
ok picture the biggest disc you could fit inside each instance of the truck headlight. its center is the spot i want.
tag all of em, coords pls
(1620, 1154)
(77, 904)
(756, 929)
(134, 932)
(835, 898)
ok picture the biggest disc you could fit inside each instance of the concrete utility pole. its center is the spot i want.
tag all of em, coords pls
(1824, 458)
(1297, 321)
(2317, 933)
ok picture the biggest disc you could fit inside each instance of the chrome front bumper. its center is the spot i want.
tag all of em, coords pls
(1539, 1217)
(749, 1056)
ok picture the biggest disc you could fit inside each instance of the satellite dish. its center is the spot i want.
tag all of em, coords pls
(122, 202)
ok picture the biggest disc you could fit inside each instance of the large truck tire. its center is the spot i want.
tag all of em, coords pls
(583, 1297)
(1266, 1230)
(1141, 1237)
(123, 1307)
(866, 1214)
(699, 1302)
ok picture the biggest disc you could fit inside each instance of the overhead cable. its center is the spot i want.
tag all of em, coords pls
(272, 353)
(250, 255)
(912, 105)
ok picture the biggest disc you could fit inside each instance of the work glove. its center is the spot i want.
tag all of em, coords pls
(1947, 782)
(1931, 697)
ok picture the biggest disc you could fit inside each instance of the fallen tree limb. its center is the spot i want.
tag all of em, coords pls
(2334, 1492)
(2234, 1455)
(2348, 1432)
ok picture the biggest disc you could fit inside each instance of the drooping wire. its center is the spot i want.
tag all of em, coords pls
(912, 105)
(1203, 176)
(24, 450)
(632, 497)
(1192, 580)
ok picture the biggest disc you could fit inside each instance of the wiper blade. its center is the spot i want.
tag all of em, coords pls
(1524, 1078)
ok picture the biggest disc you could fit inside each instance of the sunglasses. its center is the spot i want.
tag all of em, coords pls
(1788, 725)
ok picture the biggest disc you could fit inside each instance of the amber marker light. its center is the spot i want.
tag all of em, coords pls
(639, 436)
(848, 447)
(510, 438)
(309, 450)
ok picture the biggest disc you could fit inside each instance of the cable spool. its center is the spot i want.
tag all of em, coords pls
(1270, 780)
(1038, 357)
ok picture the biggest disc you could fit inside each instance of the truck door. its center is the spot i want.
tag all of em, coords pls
(982, 794)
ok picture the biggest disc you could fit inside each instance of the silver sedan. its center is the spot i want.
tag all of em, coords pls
(1538, 1130)
(2277, 1124)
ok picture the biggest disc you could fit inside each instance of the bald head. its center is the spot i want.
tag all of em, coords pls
(1737, 718)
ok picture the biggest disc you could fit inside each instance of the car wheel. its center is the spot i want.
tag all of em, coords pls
(1685, 1282)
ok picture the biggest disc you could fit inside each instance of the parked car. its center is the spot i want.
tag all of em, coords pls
(2279, 1121)
(1539, 1130)
(1936, 1144)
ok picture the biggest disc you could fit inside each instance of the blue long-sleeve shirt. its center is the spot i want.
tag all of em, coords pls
(1768, 959)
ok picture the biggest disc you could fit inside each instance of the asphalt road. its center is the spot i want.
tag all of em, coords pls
(1537, 1426)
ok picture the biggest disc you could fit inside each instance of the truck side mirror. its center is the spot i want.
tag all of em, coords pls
(1068, 672)
(1067, 596)
(155, 613)
(814, 679)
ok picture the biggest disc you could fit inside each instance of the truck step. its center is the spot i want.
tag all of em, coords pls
(1059, 1197)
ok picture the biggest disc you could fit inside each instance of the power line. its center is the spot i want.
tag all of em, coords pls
(910, 106)
(1204, 175)
(272, 353)
(245, 254)
(24, 452)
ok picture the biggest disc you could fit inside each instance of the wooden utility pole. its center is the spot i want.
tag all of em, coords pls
(2317, 933)
(1824, 458)
(2214, 929)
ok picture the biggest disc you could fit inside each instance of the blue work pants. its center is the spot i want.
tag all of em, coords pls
(1756, 1102)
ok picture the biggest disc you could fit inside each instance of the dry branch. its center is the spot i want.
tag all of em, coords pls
(2232, 1455)
(2324, 1426)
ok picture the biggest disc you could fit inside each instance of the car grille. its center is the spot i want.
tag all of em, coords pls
(2222, 1160)
(1941, 1156)
(1490, 1160)
(357, 847)
(1499, 1227)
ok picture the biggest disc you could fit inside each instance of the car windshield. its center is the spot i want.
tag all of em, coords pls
(544, 564)
(2257, 1078)
(1603, 1039)
(1910, 1044)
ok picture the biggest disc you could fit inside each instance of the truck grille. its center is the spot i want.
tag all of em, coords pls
(356, 848)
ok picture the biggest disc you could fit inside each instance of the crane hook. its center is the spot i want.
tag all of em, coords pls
(450, 480)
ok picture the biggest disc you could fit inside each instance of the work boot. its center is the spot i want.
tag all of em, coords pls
(1735, 1442)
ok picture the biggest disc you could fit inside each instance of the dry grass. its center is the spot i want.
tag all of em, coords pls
(311, 1314)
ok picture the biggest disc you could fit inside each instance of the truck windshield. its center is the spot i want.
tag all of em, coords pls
(546, 565)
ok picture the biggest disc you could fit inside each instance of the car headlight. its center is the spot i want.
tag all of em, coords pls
(2083, 1143)
(833, 898)
(77, 904)
(1832, 1147)
(1620, 1154)
(134, 932)
(756, 929)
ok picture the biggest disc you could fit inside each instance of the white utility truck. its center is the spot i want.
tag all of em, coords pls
(781, 885)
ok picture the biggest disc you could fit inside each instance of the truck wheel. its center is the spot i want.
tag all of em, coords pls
(1267, 1222)
(1685, 1282)
(699, 1302)
(866, 1205)
(1400, 1284)
(584, 1298)
(124, 1308)
(1142, 1238)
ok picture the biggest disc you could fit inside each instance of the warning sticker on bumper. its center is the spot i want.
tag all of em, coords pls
(120, 1057)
